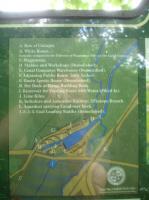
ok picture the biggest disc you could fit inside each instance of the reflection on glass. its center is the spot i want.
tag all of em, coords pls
(38, 5)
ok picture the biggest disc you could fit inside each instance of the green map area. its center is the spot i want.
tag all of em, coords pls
(73, 112)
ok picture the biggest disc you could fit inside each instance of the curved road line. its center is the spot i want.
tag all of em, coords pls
(41, 155)
(107, 141)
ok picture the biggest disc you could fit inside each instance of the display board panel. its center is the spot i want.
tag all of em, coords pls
(73, 95)
(63, 98)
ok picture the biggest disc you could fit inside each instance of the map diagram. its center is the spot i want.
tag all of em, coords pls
(73, 116)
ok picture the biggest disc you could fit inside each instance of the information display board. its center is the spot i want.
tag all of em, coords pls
(72, 91)
(73, 107)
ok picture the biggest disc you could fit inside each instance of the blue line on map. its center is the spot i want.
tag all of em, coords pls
(43, 180)
(121, 61)
(97, 60)
(75, 137)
